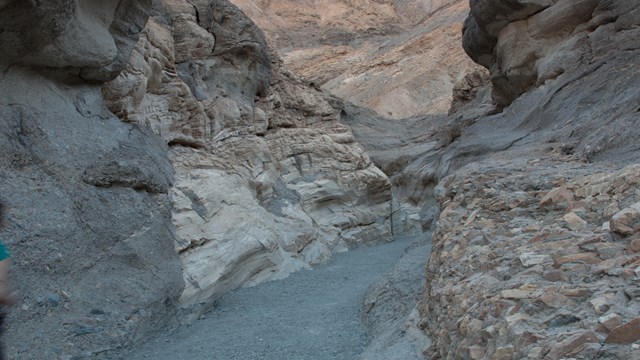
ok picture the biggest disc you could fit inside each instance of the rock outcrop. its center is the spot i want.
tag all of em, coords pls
(400, 58)
(529, 264)
(88, 195)
(217, 170)
(267, 179)
(528, 43)
(533, 253)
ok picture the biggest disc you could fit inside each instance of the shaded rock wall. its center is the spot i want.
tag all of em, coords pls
(89, 205)
(527, 43)
(267, 179)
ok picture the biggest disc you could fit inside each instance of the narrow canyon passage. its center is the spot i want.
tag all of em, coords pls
(309, 315)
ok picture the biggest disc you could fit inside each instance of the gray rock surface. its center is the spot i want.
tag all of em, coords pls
(222, 169)
(89, 210)
(312, 314)
(390, 310)
(564, 73)
(218, 164)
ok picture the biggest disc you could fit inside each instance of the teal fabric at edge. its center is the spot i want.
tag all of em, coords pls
(4, 253)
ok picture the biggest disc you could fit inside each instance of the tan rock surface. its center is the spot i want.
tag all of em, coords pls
(399, 58)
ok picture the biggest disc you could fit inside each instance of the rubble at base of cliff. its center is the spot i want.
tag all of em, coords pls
(536, 259)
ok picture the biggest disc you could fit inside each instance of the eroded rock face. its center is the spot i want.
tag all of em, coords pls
(92, 39)
(533, 251)
(267, 180)
(400, 58)
(527, 43)
(88, 195)
(217, 164)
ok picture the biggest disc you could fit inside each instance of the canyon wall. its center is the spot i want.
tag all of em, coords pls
(401, 58)
(534, 251)
(155, 155)
(267, 179)
(89, 220)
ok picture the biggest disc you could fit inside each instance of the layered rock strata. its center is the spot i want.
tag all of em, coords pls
(267, 179)
(400, 58)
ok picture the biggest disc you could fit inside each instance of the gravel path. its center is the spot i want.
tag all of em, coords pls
(309, 315)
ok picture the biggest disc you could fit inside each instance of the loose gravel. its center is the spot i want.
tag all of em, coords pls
(314, 314)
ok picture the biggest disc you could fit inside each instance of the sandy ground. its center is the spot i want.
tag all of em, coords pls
(312, 314)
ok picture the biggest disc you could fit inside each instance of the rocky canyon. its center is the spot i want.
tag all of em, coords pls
(159, 154)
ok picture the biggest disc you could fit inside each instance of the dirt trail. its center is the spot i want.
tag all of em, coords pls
(310, 315)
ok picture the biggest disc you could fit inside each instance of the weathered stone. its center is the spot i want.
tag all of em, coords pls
(572, 345)
(582, 258)
(531, 259)
(627, 221)
(610, 321)
(625, 333)
(476, 352)
(515, 294)
(89, 207)
(555, 275)
(609, 264)
(611, 210)
(558, 197)
(634, 244)
(555, 300)
(575, 222)
(503, 353)
(610, 250)
(535, 353)
(264, 169)
(602, 304)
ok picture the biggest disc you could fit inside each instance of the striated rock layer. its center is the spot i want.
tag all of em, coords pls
(400, 58)
(267, 179)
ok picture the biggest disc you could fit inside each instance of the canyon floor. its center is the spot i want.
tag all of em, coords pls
(315, 314)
